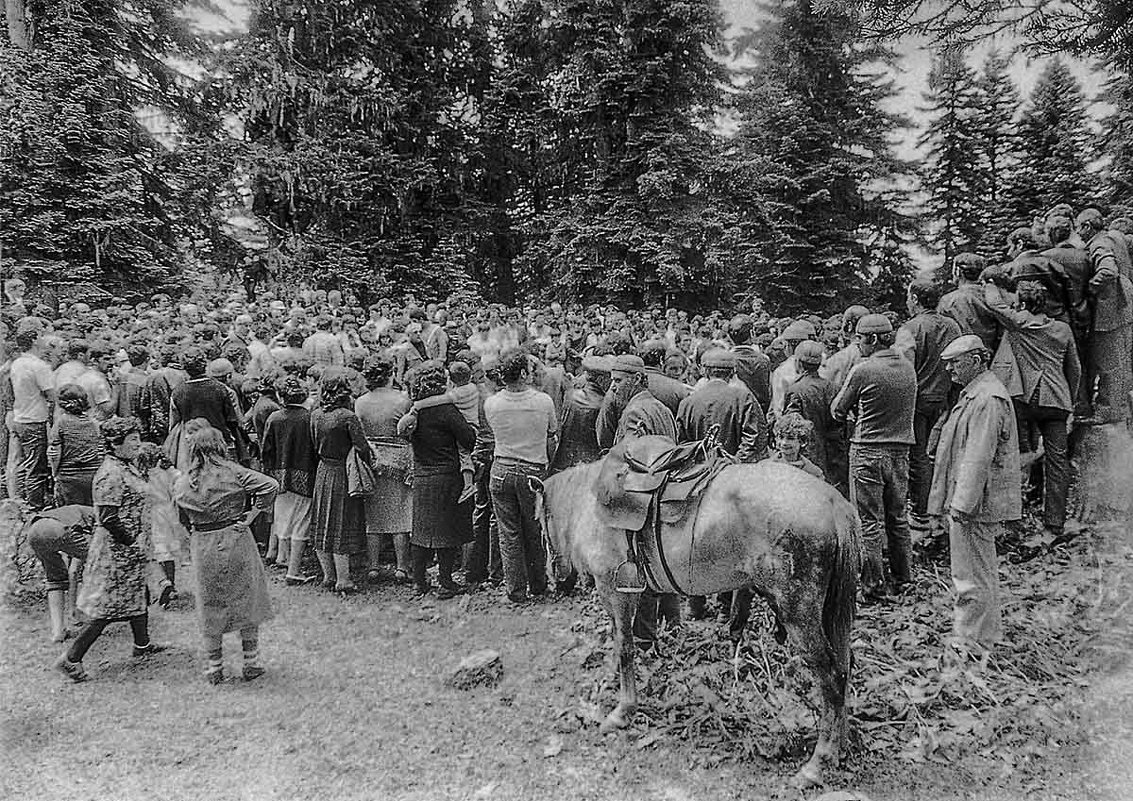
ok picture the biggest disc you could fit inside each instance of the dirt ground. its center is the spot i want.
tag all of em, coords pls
(355, 706)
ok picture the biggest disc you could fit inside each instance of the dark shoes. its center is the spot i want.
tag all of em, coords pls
(214, 677)
(151, 648)
(253, 672)
(298, 581)
(72, 670)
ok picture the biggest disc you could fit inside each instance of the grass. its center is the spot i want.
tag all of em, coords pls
(355, 706)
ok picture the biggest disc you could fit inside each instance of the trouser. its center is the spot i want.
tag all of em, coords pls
(33, 471)
(483, 556)
(666, 605)
(521, 537)
(446, 561)
(879, 479)
(1050, 424)
(920, 462)
(50, 540)
(139, 625)
(975, 578)
(1107, 373)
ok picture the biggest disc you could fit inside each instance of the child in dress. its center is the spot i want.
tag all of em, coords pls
(168, 535)
(792, 433)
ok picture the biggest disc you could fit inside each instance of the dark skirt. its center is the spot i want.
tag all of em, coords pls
(74, 488)
(438, 522)
(338, 522)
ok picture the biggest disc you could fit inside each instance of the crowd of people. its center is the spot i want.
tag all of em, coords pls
(405, 433)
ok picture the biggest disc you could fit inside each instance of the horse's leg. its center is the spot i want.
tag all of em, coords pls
(622, 607)
(803, 622)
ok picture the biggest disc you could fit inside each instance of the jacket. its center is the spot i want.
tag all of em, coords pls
(645, 415)
(977, 456)
(753, 368)
(921, 340)
(1110, 283)
(743, 429)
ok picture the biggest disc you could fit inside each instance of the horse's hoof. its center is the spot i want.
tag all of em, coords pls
(613, 722)
(807, 777)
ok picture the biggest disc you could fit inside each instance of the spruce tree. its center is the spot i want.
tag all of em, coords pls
(1053, 147)
(811, 117)
(953, 173)
(1116, 143)
(997, 105)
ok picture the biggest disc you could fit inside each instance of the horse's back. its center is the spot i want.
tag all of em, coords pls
(775, 489)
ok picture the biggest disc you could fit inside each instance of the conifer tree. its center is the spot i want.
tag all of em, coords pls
(1053, 147)
(954, 172)
(811, 118)
(997, 105)
(1116, 143)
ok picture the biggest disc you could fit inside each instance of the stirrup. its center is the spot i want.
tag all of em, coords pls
(627, 578)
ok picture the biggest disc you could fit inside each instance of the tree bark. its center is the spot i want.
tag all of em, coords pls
(16, 12)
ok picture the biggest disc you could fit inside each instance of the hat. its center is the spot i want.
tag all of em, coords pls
(809, 352)
(718, 357)
(597, 364)
(961, 345)
(799, 329)
(874, 324)
(628, 365)
(853, 314)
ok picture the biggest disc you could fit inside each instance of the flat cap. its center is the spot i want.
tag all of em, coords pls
(799, 329)
(809, 352)
(597, 364)
(718, 357)
(874, 324)
(967, 343)
(627, 365)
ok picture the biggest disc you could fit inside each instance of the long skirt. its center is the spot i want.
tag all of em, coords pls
(292, 520)
(339, 521)
(232, 592)
(438, 521)
(114, 579)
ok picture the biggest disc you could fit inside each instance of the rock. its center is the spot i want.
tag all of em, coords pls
(478, 668)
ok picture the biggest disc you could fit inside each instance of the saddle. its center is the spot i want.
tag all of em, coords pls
(650, 485)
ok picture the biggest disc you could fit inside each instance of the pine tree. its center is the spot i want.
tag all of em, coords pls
(953, 173)
(1053, 147)
(997, 104)
(1116, 142)
(86, 192)
(811, 117)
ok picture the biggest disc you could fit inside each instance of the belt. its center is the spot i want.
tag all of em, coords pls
(201, 528)
(511, 461)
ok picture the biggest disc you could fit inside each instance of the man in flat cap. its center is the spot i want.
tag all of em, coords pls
(786, 373)
(811, 395)
(881, 390)
(665, 389)
(837, 367)
(578, 438)
(976, 484)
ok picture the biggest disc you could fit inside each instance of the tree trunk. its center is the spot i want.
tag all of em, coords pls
(17, 24)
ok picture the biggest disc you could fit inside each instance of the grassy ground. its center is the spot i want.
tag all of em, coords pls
(355, 705)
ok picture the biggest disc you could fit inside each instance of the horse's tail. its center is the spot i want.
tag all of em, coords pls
(839, 607)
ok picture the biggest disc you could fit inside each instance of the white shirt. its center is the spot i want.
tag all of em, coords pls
(31, 378)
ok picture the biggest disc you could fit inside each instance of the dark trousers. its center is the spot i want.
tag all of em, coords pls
(91, 631)
(666, 606)
(483, 555)
(920, 462)
(879, 488)
(1050, 424)
(50, 540)
(446, 561)
(33, 471)
(522, 551)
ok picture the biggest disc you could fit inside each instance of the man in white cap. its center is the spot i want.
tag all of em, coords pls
(785, 374)
(976, 484)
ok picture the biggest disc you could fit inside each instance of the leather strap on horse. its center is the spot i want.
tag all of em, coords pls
(655, 519)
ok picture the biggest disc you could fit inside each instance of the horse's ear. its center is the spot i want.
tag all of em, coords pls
(535, 484)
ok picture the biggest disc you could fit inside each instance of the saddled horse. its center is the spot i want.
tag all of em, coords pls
(768, 528)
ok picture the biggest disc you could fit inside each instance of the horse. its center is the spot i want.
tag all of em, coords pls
(766, 528)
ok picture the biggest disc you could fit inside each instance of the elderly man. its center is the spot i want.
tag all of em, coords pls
(643, 415)
(881, 390)
(977, 485)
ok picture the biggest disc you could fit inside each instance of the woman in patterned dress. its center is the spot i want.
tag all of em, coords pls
(114, 579)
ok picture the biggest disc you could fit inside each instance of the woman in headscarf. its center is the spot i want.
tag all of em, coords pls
(440, 522)
(389, 509)
(232, 592)
(339, 520)
(74, 447)
(114, 579)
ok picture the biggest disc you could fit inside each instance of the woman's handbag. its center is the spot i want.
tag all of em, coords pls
(359, 476)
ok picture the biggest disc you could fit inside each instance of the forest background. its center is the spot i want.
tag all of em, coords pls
(636, 151)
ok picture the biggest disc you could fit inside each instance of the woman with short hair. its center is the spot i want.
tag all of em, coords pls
(114, 579)
(339, 520)
(74, 447)
(232, 592)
